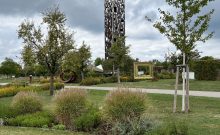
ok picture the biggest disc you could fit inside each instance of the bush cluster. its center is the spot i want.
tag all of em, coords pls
(74, 111)
(38, 119)
(166, 75)
(26, 102)
(122, 112)
(13, 90)
(57, 86)
(206, 70)
(100, 80)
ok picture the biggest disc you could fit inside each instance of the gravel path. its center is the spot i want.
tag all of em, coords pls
(156, 91)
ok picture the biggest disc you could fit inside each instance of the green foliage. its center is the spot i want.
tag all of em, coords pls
(91, 81)
(70, 104)
(99, 80)
(123, 104)
(166, 75)
(187, 26)
(98, 61)
(89, 120)
(51, 48)
(26, 102)
(9, 67)
(59, 127)
(206, 69)
(57, 86)
(132, 127)
(38, 119)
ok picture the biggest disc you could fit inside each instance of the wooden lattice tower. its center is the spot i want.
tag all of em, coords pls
(114, 22)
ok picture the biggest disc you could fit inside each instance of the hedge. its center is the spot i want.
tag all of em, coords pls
(206, 70)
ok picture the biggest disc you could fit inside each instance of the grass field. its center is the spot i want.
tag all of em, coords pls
(168, 84)
(204, 118)
(33, 131)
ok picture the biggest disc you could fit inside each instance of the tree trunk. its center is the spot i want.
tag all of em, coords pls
(51, 85)
(176, 88)
(82, 75)
(118, 75)
(113, 69)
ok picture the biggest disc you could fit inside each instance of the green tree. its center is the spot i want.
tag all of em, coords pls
(29, 59)
(77, 61)
(186, 27)
(49, 48)
(10, 67)
(98, 61)
(84, 55)
(118, 53)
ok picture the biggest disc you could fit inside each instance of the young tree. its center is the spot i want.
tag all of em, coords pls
(185, 28)
(119, 53)
(29, 59)
(76, 61)
(84, 54)
(51, 48)
(10, 67)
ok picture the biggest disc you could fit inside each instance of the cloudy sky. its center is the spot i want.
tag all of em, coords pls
(86, 18)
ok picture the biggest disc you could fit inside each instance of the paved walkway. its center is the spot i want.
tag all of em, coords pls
(3, 84)
(156, 91)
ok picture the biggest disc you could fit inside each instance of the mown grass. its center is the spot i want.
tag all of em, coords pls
(168, 84)
(204, 118)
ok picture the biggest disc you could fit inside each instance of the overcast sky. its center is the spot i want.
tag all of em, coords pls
(86, 18)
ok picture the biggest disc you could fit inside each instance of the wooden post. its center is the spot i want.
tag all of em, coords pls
(187, 89)
(176, 88)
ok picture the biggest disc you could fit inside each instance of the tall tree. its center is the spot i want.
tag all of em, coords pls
(50, 48)
(10, 67)
(118, 53)
(29, 59)
(186, 27)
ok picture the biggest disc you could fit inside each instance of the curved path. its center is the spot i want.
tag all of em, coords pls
(155, 91)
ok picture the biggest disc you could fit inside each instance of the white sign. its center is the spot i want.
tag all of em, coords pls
(140, 72)
(191, 75)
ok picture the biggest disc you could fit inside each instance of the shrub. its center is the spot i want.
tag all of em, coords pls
(26, 102)
(111, 79)
(127, 79)
(38, 119)
(90, 81)
(166, 75)
(132, 127)
(123, 104)
(88, 120)
(206, 70)
(57, 86)
(69, 105)
(59, 127)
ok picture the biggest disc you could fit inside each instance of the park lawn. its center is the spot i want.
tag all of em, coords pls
(9, 80)
(203, 119)
(33, 131)
(168, 84)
